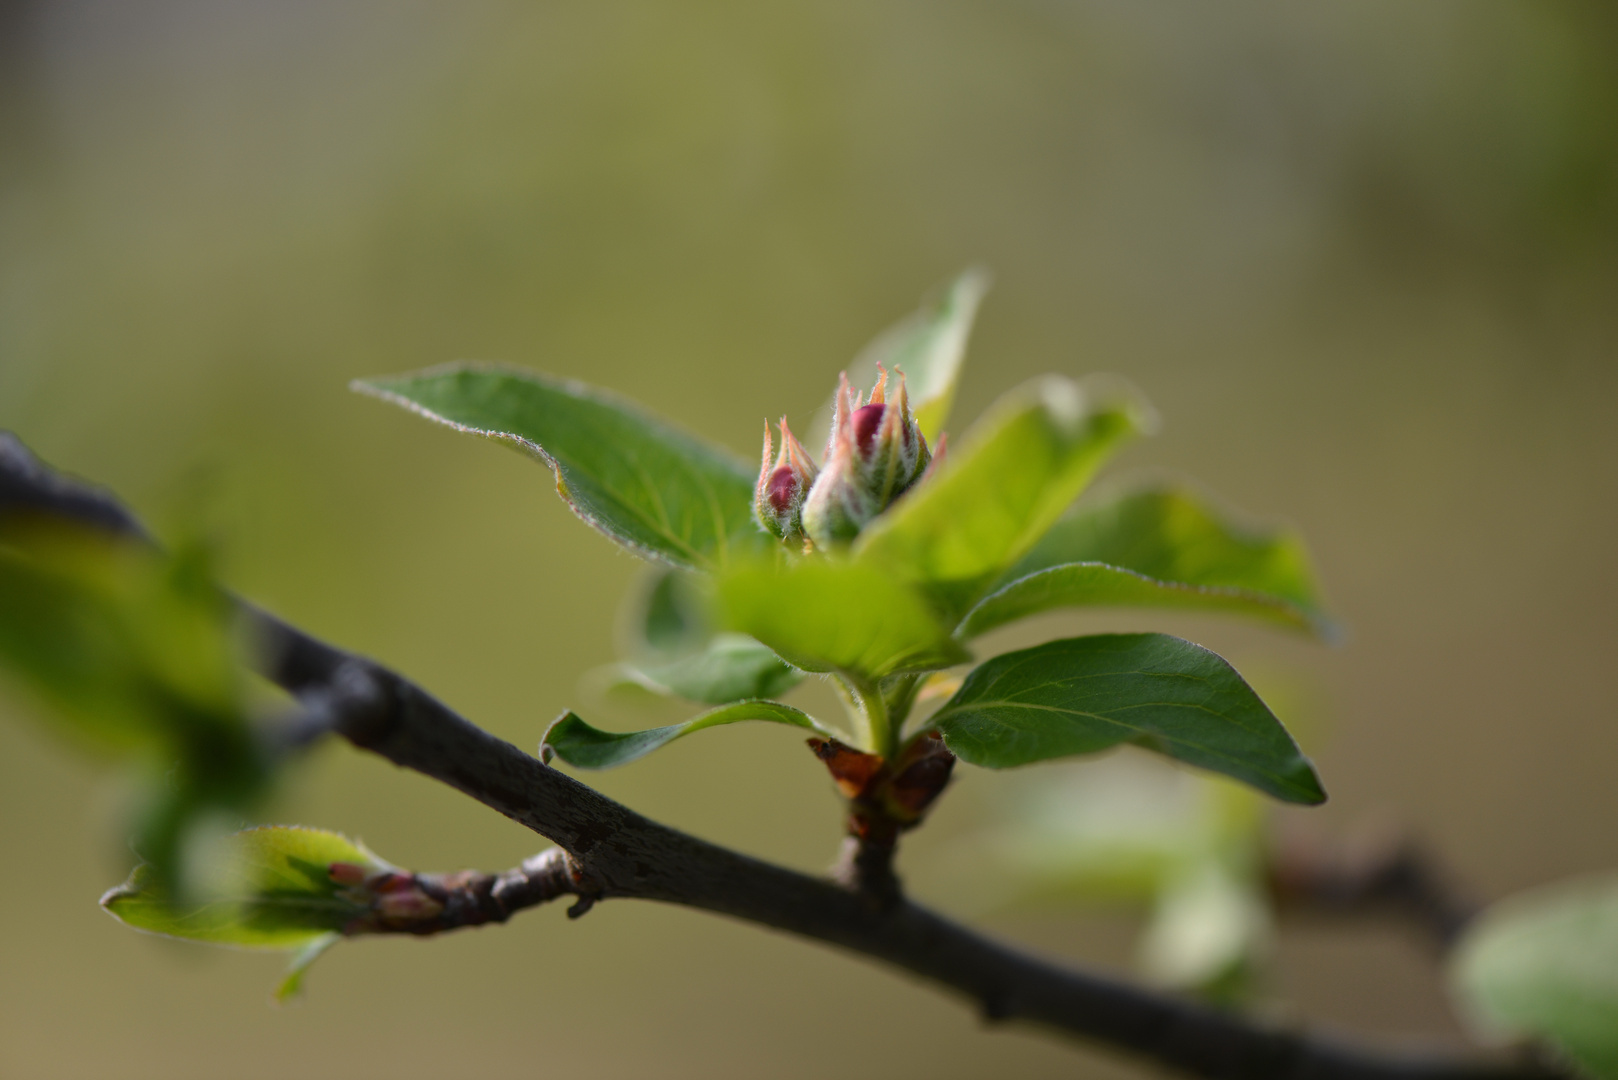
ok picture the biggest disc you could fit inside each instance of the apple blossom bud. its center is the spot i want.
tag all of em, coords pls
(875, 453)
(782, 487)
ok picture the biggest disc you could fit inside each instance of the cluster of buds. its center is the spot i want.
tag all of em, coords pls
(875, 452)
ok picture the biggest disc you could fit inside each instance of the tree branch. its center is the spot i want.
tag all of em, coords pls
(1373, 873)
(615, 852)
(421, 904)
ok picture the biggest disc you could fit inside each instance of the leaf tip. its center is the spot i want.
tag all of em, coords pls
(1305, 787)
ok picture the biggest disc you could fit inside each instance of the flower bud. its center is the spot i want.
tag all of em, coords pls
(782, 487)
(875, 453)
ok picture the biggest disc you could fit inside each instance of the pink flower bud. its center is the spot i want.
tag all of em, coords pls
(875, 453)
(782, 487)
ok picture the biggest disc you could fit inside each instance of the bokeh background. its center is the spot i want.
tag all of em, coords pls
(1363, 258)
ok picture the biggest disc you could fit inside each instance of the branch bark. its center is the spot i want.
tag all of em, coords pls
(614, 852)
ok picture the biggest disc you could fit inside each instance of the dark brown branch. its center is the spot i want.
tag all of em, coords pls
(423, 904)
(616, 852)
(1374, 873)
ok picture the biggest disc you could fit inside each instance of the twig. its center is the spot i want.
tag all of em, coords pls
(1374, 872)
(615, 852)
(423, 904)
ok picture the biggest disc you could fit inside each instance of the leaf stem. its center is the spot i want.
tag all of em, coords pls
(868, 709)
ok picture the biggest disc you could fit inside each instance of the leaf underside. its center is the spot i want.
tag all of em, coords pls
(1096, 584)
(658, 491)
(730, 668)
(586, 747)
(1166, 544)
(1088, 694)
(675, 653)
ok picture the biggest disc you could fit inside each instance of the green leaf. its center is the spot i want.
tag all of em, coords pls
(829, 614)
(265, 888)
(1545, 965)
(928, 347)
(675, 652)
(671, 620)
(1088, 694)
(131, 650)
(292, 985)
(585, 747)
(1208, 929)
(732, 667)
(1166, 546)
(992, 498)
(653, 488)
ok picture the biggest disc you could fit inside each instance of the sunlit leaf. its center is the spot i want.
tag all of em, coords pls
(1545, 965)
(928, 347)
(827, 614)
(1088, 694)
(1163, 546)
(265, 888)
(658, 491)
(998, 492)
(581, 745)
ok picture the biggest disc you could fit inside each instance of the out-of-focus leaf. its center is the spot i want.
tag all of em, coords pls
(292, 985)
(1545, 965)
(1208, 929)
(128, 648)
(658, 491)
(829, 614)
(995, 495)
(1121, 828)
(585, 747)
(265, 888)
(130, 651)
(732, 667)
(670, 620)
(928, 347)
(1083, 695)
(1165, 545)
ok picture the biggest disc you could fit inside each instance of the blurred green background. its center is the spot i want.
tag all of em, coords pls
(1363, 258)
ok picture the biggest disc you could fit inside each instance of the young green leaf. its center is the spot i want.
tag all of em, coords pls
(674, 652)
(658, 491)
(1165, 545)
(1545, 965)
(731, 667)
(928, 347)
(130, 652)
(1083, 695)
(829, 614)
(265, 888)
(585, 747)
(292, 984)
(992, 499)
(128, 649)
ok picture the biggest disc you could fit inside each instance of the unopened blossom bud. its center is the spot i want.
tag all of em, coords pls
(875, 453)
(783, 486)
